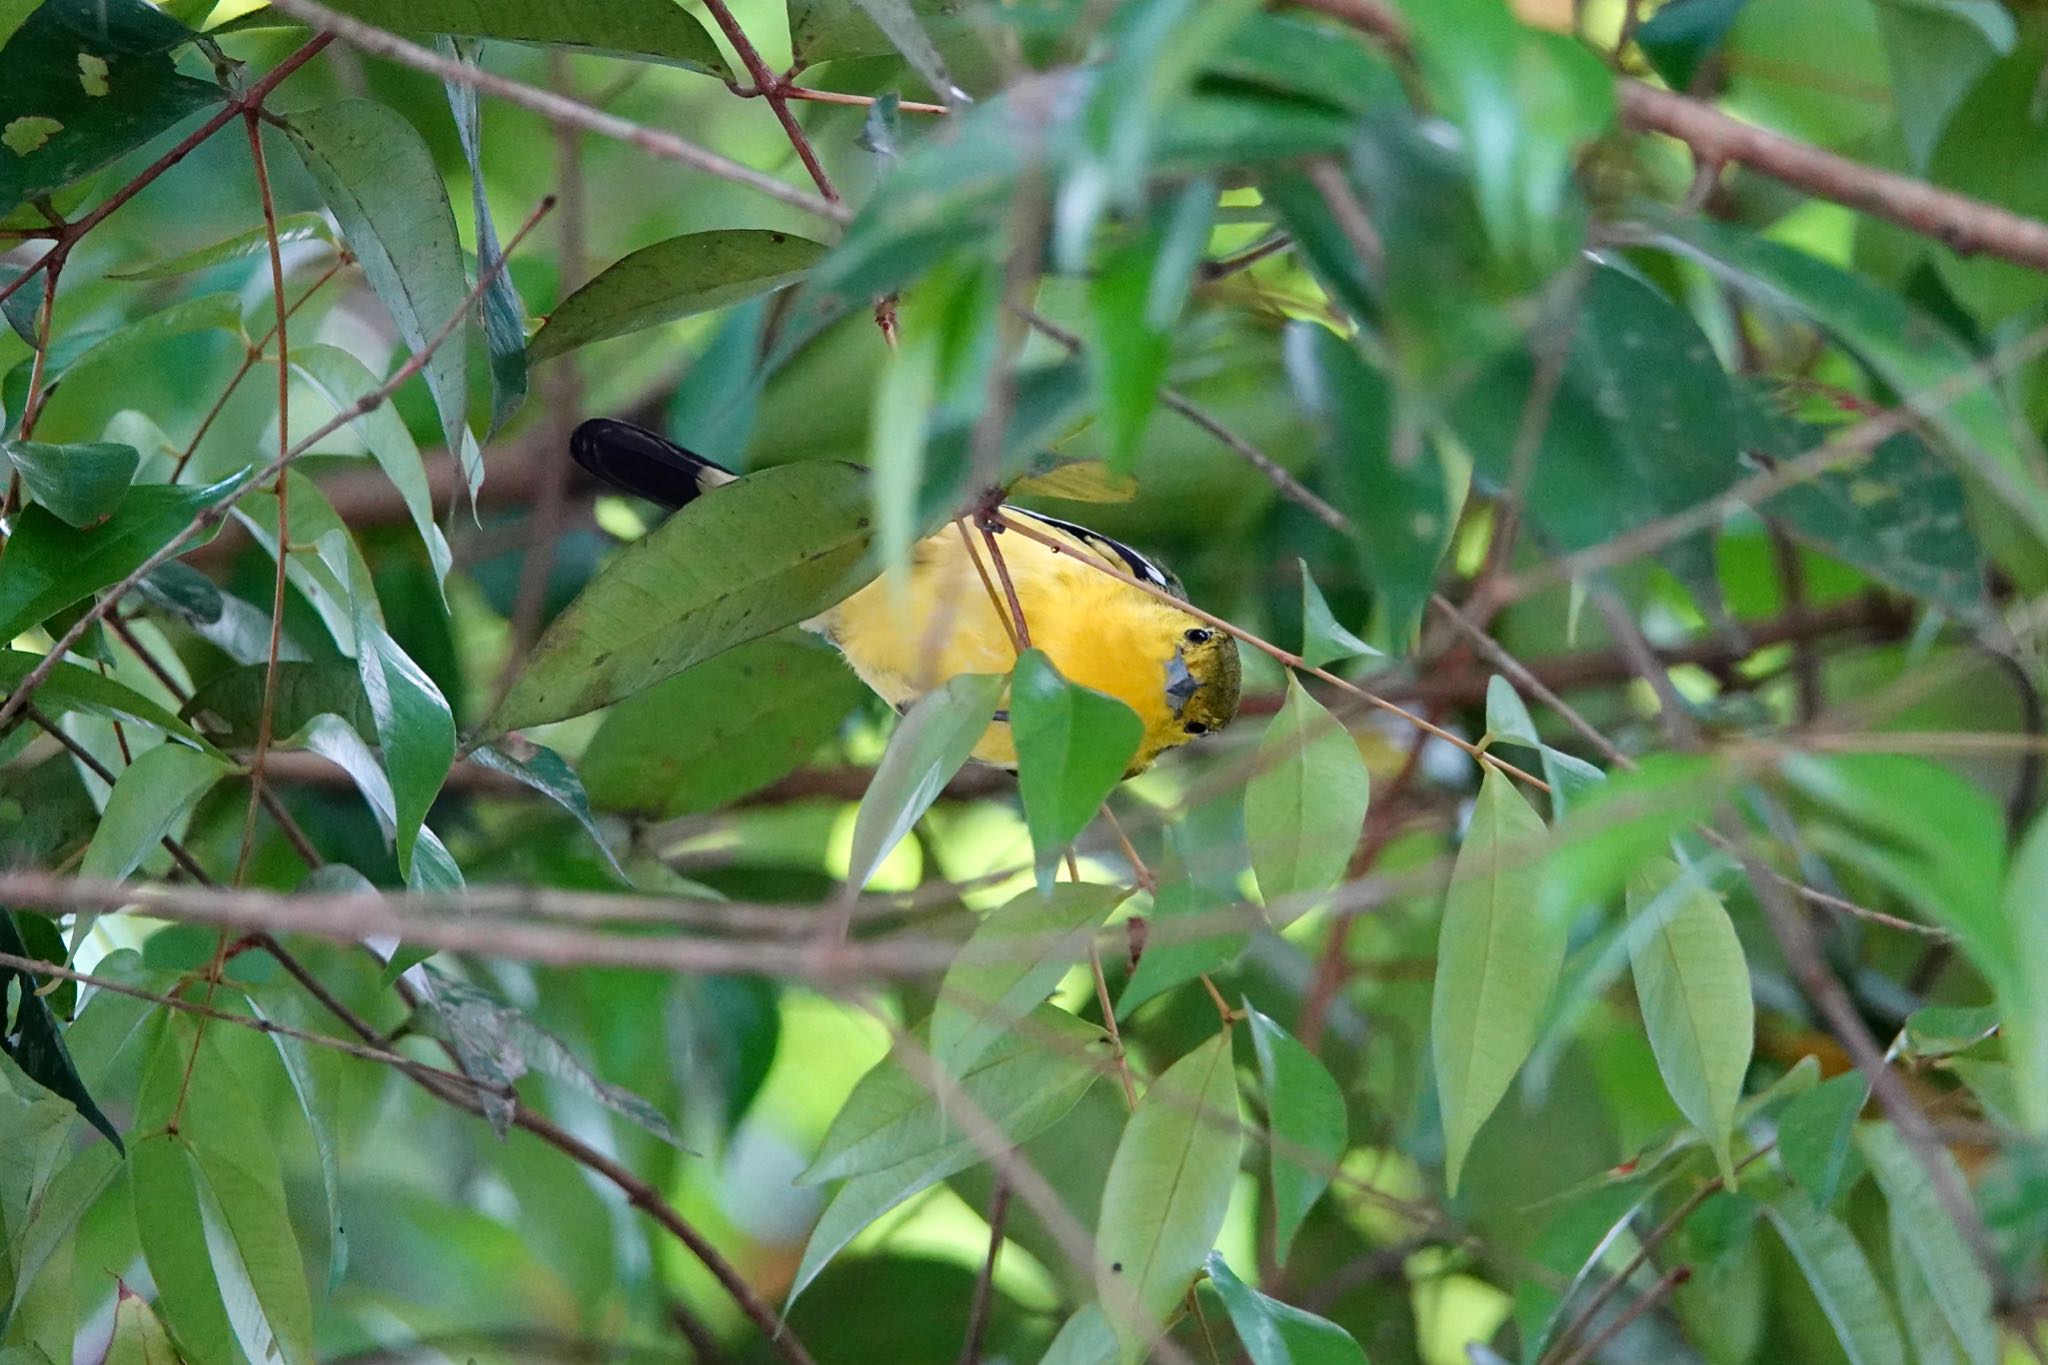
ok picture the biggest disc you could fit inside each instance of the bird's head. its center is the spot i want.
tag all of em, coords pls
(1201, 687)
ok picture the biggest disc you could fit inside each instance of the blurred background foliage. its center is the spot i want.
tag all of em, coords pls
(1347, 313)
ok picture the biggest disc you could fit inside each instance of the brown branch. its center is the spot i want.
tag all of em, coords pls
(1964, 225)
(984, 1284)
(556, 108)
(774, 89)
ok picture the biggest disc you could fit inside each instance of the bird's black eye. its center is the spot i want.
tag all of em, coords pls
(1199, 636)
(1195, 727)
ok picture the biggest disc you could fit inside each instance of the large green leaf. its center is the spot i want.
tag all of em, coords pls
(1993, 146)
(1276, 1333)
(378, 176)
(1305, 1112)
(541, 769)
(1693, 983)
(210, 1208)
(231, 703)
(683, 276)
(1615, 827)
(1020, 1085)
(1936, 50)
(1169, 1187)
(682, 747)
(1497, 962)
(892, 1116)
(415, 729)
(70, 687)
(342, 380)
(319, 1079)
(83, 484)
(58, 127)
(40, 1243)
(2023, 994)
(1073, 745)
(1401, 503)
(1014, 958)
(937, 734)
(1305, 803)
(1525, 101)
(735, 565)
(503, 314)
(291, 229)
(1185, 937)
(1814, 1135)
(1920, 1220)
(1086, 1338)
(1842, 1282)
(151, 798)
(51, 565)
(235, 627)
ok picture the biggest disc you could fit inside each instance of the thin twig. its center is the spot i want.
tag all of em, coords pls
(984, 1284)
(771, 87)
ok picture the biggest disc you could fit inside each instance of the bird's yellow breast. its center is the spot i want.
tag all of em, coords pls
(908, 632)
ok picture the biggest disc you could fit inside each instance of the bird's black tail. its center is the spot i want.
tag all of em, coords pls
(643, 463)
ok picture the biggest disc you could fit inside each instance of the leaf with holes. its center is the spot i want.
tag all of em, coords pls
(1498, 958)
(1169, 1187)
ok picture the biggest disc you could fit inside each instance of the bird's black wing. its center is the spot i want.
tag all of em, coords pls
(1139, 566)
(644, 463)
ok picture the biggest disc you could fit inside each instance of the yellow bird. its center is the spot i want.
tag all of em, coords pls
(1177, 672)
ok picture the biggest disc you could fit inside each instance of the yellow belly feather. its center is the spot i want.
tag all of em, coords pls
(905, 634)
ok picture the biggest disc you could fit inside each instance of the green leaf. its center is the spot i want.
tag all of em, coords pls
(1693, 983)
(1899, 513)
(231, 704)
(231, 625)
(342, 380)
(1305, 804)
(498, 1044)
(1021, 1087)
(1620, 824)
(502, 313)
(1073, 745)
(83, 484)
(766, 552)
(51, 1221)
(210, 1208)
(1324, 639)
(335, 596)
(1814, 1135)
(378, 176)
(70, 687)
(682, 748)
(827, 30)
(84, 350)
(1842, 1282)
(546, 772)
(937, 734)
(335, 740)
(139, 1338)
(51, 565)
(1938, 1031)
(1014, 958)
(1572, 780)
(292, 228)
(1679, 39)
(1993, 146)
(1275, 1333)
(1176, 952)
(677, 278)
(1169, 1187)
(1525, 101)
(1305, 1111)
(2023, 986)
(1936, 50)
(653, 29)
(1507, 716)
(1498, 959)
(36, 1045)
(415, 729)
(151, 798)
(1938, 1252)
(893, 1117)
(1086, 1338)
(1913, 354)
(1400, 501)
(1135, 298)
(39, 80)
(318, 1081)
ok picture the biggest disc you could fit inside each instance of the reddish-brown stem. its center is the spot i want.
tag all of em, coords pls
(772, 89)
(800, 92)
(984, 1285)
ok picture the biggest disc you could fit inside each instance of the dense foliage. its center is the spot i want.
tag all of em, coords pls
(451, 912)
